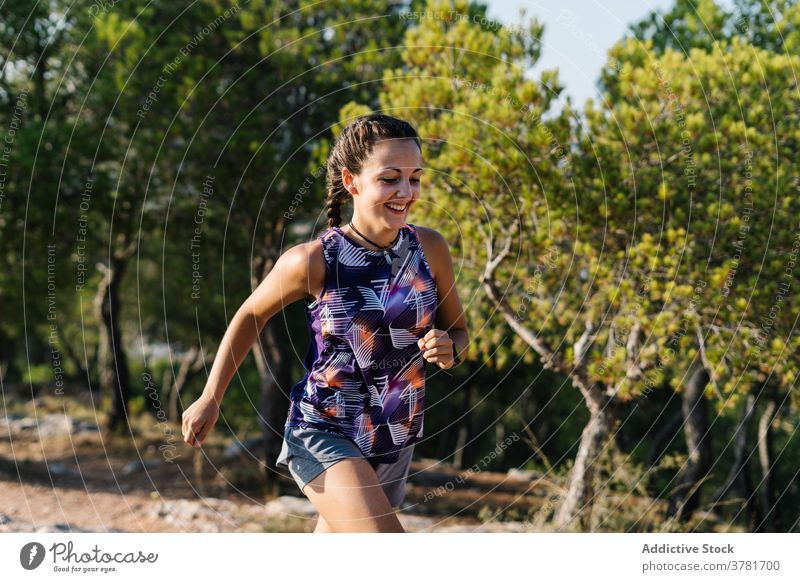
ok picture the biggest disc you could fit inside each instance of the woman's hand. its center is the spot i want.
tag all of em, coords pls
(199, 419)
(439, 348)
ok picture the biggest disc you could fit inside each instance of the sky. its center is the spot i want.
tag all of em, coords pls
(577, 34)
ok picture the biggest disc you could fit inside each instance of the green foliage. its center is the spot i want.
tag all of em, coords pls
(485, 143)
(38, 374)
(644, 218)
(695, 211)
(664, 213)
(769, 24)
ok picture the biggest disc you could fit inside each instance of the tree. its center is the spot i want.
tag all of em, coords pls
(225, 104)
(773, 25)
(602, 247)
(715, 135)
(37, 107)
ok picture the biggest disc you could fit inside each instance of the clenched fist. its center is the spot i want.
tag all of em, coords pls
(199, 419)
(439, 348)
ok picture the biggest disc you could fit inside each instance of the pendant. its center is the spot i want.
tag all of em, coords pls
(388, 258)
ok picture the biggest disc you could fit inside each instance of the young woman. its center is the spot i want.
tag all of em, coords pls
(380, 301)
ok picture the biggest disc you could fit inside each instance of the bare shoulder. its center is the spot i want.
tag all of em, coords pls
(298, 273)
(305, 262)
(303, 254)
(432, 240)
(434, 245)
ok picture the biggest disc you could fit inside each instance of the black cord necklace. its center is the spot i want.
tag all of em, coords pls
(384, 249)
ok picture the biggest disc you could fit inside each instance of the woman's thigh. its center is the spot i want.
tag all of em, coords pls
(350, 498)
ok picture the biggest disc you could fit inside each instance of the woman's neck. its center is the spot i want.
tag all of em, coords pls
(383, 238)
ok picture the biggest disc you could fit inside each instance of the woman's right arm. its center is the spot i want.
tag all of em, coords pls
(296, 275)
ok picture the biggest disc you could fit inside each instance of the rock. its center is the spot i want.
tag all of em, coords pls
(290, 506)
(524, 474)
(47, 424)
(28, 527)
(140, 465)
(415, 523)
(220, 505)
(8, 418)
(61, 527)
(238, 448)
(455, 529)
(54, 425)
(59, 469)
(24, 424)
(84, 426)
(208, 515)
(490, 527)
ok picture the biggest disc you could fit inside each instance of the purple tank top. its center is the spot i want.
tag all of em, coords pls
(365, 374)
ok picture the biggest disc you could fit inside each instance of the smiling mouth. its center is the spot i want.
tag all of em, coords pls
(396, 208)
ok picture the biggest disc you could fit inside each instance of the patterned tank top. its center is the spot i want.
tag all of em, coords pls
(365, 374)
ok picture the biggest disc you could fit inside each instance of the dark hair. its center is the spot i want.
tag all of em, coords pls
(353, 147)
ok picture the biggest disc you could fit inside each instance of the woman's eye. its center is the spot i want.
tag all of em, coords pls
(393, 180)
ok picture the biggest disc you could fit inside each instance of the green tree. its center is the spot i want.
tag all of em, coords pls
(685, 25)
(38, 104)
(773, 25)
(603, 246)
(231, 99)
(715, 136)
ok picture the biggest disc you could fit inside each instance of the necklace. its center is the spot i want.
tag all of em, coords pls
(385, 249)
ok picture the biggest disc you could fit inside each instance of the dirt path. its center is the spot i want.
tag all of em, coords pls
(58, 473)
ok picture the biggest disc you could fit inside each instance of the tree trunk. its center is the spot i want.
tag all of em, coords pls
(192, 363)
(461, 442)
(39, 84)
(84, 372)
(274, 372)
(465, 452)
(686, 497)
(580, 494)
(168, 393)
(739, 476)
(455, 405)
(765, 489)
(448, 441)
(7, 351)
(663, 437)
(113, 372)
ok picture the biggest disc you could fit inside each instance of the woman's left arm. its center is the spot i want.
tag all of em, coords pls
(449, 335)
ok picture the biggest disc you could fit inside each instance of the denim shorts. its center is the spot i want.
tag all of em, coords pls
(307, 452)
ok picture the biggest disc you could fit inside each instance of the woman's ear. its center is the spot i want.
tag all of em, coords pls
(349, 181)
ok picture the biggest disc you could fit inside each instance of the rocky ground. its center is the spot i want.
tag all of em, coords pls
(59, 472)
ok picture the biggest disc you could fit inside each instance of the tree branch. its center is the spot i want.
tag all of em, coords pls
(550, 359)
(712, 375)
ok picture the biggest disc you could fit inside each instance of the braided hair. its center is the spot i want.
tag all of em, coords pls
(352, 148)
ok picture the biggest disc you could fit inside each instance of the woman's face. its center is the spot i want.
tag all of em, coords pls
(389, 177)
